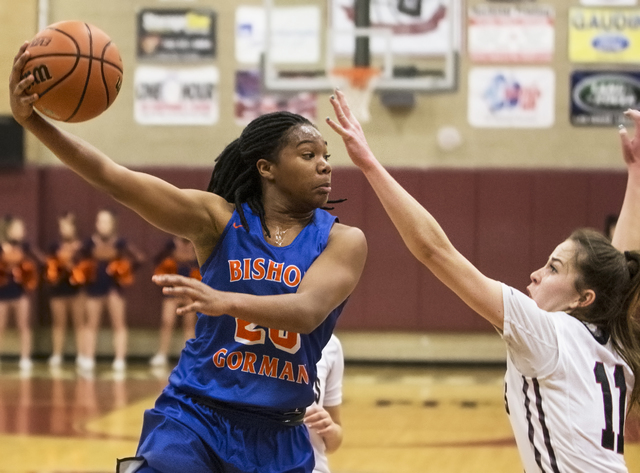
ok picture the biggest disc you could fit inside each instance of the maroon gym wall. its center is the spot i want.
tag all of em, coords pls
(505, 221)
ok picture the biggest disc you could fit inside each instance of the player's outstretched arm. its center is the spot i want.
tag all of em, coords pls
(627, 234)
(328, 282)
(420, 231)
(187, 213)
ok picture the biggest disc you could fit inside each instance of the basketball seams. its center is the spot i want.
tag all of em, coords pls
(104, 79)
(86, 82)
(81, 56)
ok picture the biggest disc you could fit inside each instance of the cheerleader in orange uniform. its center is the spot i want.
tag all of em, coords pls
(64, 277)
(18, 277)
(178, 257)
(115, 260)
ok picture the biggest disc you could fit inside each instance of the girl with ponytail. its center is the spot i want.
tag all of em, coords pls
(573, 344)
(276, 272)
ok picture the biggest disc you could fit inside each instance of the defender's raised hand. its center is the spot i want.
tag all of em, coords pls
(631, 146)
(351, 132)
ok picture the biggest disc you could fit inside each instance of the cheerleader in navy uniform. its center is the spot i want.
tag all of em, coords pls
(64, 277)
(276, 273)
(178, 257)
(115, 261)
(18, 277)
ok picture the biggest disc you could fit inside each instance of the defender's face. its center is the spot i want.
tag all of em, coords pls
(105, 223)
(553, 286)
(302, 171)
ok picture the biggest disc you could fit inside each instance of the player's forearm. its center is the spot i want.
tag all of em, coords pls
(290, 312)
(333, 438)
(627, 233)
(80, 156)
(420, 231)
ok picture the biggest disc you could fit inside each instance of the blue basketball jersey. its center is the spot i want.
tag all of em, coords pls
(234, 361)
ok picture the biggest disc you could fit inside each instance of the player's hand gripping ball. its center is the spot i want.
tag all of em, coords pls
(77, 71)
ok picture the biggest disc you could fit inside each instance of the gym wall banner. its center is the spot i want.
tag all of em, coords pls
(604, 35)
(511, 33)
(180, 96)
(176, 34)
(251, 100)
(599, 98)
(511, 97)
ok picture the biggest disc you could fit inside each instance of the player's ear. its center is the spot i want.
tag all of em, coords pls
(587, 298)
(265, 169)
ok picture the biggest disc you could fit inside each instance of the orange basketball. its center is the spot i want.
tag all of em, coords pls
(77, 71)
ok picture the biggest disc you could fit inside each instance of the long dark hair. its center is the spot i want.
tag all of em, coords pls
(614, 276)
(235, 176)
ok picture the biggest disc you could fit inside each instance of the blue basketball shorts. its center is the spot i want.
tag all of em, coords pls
(182, 435)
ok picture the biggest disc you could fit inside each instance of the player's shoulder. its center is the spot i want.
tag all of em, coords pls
(219, 210)
(348, 234)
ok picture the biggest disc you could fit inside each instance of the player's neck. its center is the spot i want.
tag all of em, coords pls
(286, 219)
(279, 211)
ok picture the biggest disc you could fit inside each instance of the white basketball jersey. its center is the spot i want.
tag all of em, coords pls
(328, 392)
(566, 390)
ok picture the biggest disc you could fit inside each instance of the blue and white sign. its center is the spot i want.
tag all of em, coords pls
(511, 97)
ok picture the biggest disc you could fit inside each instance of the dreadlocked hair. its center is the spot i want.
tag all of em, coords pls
(235, 176)
(615, 278)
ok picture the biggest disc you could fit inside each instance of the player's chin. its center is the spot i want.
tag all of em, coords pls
(322, 201)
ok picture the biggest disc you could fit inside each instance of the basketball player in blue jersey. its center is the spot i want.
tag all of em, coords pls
(280, 270)
(573, 344)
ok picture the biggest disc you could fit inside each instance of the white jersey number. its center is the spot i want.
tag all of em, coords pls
(608, 435)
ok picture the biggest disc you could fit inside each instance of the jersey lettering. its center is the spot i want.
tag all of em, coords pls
(255, 269)
(270, 367)
(274, 271)
(258, 268)
(292, 276)
(235, 270)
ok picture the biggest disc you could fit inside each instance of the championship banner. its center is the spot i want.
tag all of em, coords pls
(604, 35)
(511, 33)
(599, 98)
(164, 96)
(176, 35)
(511, 97)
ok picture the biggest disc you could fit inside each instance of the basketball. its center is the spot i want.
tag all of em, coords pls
(77, 71)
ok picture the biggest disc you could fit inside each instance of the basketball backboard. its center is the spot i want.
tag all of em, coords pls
(413, 43)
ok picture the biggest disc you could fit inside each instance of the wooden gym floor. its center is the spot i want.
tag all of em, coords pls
(396, 419)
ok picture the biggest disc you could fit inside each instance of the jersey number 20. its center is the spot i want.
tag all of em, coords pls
(250, 334)
(608, 435)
